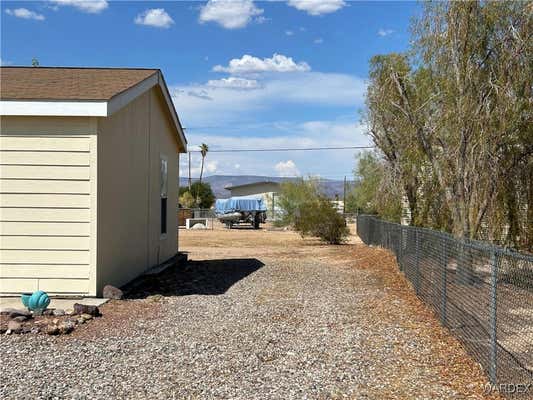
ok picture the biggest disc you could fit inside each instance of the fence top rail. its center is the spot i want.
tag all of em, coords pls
(474, 244)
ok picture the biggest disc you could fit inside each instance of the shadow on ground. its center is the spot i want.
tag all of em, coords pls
(208, 277)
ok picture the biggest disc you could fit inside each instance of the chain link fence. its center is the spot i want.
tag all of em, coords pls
(481, 292)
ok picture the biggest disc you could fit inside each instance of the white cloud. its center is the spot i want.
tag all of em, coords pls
(289, 33)
(249, 64)
(25, 14)
(318, 41)
(233, 83)
(156, 17)
(212, 103)
(385, 32)
(287, 168)
(230, 14)
(88, 6)
(317, 7)
(211, 167)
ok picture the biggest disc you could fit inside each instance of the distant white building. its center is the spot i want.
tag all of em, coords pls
(267, 190)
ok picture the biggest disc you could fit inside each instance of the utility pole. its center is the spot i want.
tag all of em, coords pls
(344, 197)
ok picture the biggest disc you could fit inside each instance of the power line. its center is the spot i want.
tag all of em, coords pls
(285, 149)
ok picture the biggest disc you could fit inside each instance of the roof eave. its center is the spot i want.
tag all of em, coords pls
(95, 108)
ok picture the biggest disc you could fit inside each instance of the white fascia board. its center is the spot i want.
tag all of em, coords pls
(54, 108)
(122, 99)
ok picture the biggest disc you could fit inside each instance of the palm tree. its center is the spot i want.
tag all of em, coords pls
(203, 149)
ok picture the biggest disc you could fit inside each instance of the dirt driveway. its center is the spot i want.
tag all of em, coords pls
(255, 315)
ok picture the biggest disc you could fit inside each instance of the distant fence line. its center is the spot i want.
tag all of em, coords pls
(209, 213)
(196, 213)
(482, 293)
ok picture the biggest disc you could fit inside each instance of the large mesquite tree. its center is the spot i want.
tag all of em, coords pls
(453, 117)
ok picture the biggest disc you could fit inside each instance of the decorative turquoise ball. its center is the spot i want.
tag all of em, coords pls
(25, 298)
(39, 300)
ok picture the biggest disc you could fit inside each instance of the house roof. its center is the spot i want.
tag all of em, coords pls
(74, 91)
(252, 184)
(56, 83)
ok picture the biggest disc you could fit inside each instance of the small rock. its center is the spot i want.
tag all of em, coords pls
(52, 330)
(48, 311)
(80, 320)
(20, 318)
(66, 327)
(86, 317)
(26, 329)
(55, 321)
(35, 330)
(15, 312)
(58, 312)
(86, 309)
(154, 298)
(111, 292)
(14, 326)
(8, 332)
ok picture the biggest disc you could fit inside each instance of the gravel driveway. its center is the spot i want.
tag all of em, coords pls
(270, 317)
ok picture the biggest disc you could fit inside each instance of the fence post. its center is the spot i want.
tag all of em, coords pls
(493, 367)
(400, 251)
(417, 262)
(444, 282)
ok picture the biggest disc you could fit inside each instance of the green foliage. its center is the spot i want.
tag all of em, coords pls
(292, 195)
(310, 213)
(201, 194)
(452, 121)
(318, 217)
(186, 200)
(372, 194)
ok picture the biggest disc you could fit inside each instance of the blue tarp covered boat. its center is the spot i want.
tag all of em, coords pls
(225, 206)
(237, 210)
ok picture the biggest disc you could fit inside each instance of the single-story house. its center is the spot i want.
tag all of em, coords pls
(88, 177)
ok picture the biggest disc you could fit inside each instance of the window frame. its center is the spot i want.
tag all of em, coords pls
(163, 197)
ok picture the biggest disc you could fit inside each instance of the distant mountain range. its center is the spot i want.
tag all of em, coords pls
(218, 183)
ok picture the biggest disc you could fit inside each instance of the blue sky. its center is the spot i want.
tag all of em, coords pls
(242, 74)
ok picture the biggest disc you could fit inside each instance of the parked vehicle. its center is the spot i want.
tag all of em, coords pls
(241, 210)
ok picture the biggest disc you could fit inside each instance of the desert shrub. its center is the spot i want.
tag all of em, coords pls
(186, 200)
(292, 196)
(318, 217)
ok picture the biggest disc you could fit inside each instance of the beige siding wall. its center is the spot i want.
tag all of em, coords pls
(48, 205)
(130, 144)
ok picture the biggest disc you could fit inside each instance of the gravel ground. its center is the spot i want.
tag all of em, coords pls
(255, 315)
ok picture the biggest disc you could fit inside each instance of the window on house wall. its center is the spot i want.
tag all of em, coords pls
(164, 194)
(163, 216)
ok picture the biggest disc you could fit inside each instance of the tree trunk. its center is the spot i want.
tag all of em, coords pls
(202, 169)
